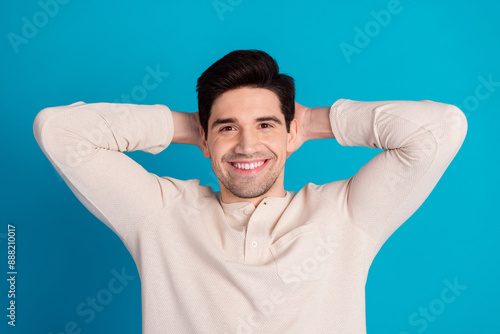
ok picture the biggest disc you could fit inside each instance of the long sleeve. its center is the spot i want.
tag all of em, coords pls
(419, 138)
(84, 142)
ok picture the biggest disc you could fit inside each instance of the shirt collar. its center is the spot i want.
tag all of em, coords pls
(239, 206)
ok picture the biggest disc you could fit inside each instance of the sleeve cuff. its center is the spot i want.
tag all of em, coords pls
(166, 127)
(170, 125)
(335, 109)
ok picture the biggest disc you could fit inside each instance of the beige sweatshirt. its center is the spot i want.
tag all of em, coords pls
(293, 264)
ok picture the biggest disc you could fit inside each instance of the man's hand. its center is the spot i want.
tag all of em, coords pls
(302, 116)
(187, 128)
(313, 123)
(195, 121)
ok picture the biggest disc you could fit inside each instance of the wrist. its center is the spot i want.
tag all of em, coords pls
(319, 123)
(185, 128)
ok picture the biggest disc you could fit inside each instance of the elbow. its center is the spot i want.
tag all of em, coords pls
(455, 122)
(53, 116)
(448, 125)
(41, 120)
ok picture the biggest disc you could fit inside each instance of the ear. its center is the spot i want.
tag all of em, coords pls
(292, 137)
(204, 145)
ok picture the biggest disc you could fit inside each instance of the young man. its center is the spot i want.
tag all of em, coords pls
(252, 258)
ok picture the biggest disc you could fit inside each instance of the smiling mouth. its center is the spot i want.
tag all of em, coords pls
(246, 165)
(249, 168)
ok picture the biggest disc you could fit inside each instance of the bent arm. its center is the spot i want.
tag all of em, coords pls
(84, 143)
(419, 138)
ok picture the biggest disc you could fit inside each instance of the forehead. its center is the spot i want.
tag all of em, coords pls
(245, 104)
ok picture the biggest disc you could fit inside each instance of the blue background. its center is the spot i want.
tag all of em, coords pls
(95, 51)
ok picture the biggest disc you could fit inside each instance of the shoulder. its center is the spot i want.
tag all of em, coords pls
(334, 193)
(187, 190)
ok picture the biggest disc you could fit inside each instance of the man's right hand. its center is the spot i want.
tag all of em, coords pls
(187, 128)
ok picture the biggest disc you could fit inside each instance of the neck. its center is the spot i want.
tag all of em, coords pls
(228, 197)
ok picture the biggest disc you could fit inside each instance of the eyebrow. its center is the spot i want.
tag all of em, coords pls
(233, 120)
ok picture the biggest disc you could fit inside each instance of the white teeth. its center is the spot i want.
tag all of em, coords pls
(252, 165)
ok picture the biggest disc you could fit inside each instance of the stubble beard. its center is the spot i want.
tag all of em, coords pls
(249, 186)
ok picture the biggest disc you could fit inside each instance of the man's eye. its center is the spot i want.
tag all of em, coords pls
(268, 125)
(223, 129)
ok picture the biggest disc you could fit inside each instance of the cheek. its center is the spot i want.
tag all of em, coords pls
(218, 150)
(279, 148)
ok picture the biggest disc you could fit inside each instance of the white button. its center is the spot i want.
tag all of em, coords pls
(254, 243)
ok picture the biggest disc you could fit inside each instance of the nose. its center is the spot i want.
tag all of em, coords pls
(247, 142)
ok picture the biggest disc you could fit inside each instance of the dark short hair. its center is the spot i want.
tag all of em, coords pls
(244, 68)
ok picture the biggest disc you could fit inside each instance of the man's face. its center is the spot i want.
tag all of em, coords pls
(247, 126)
